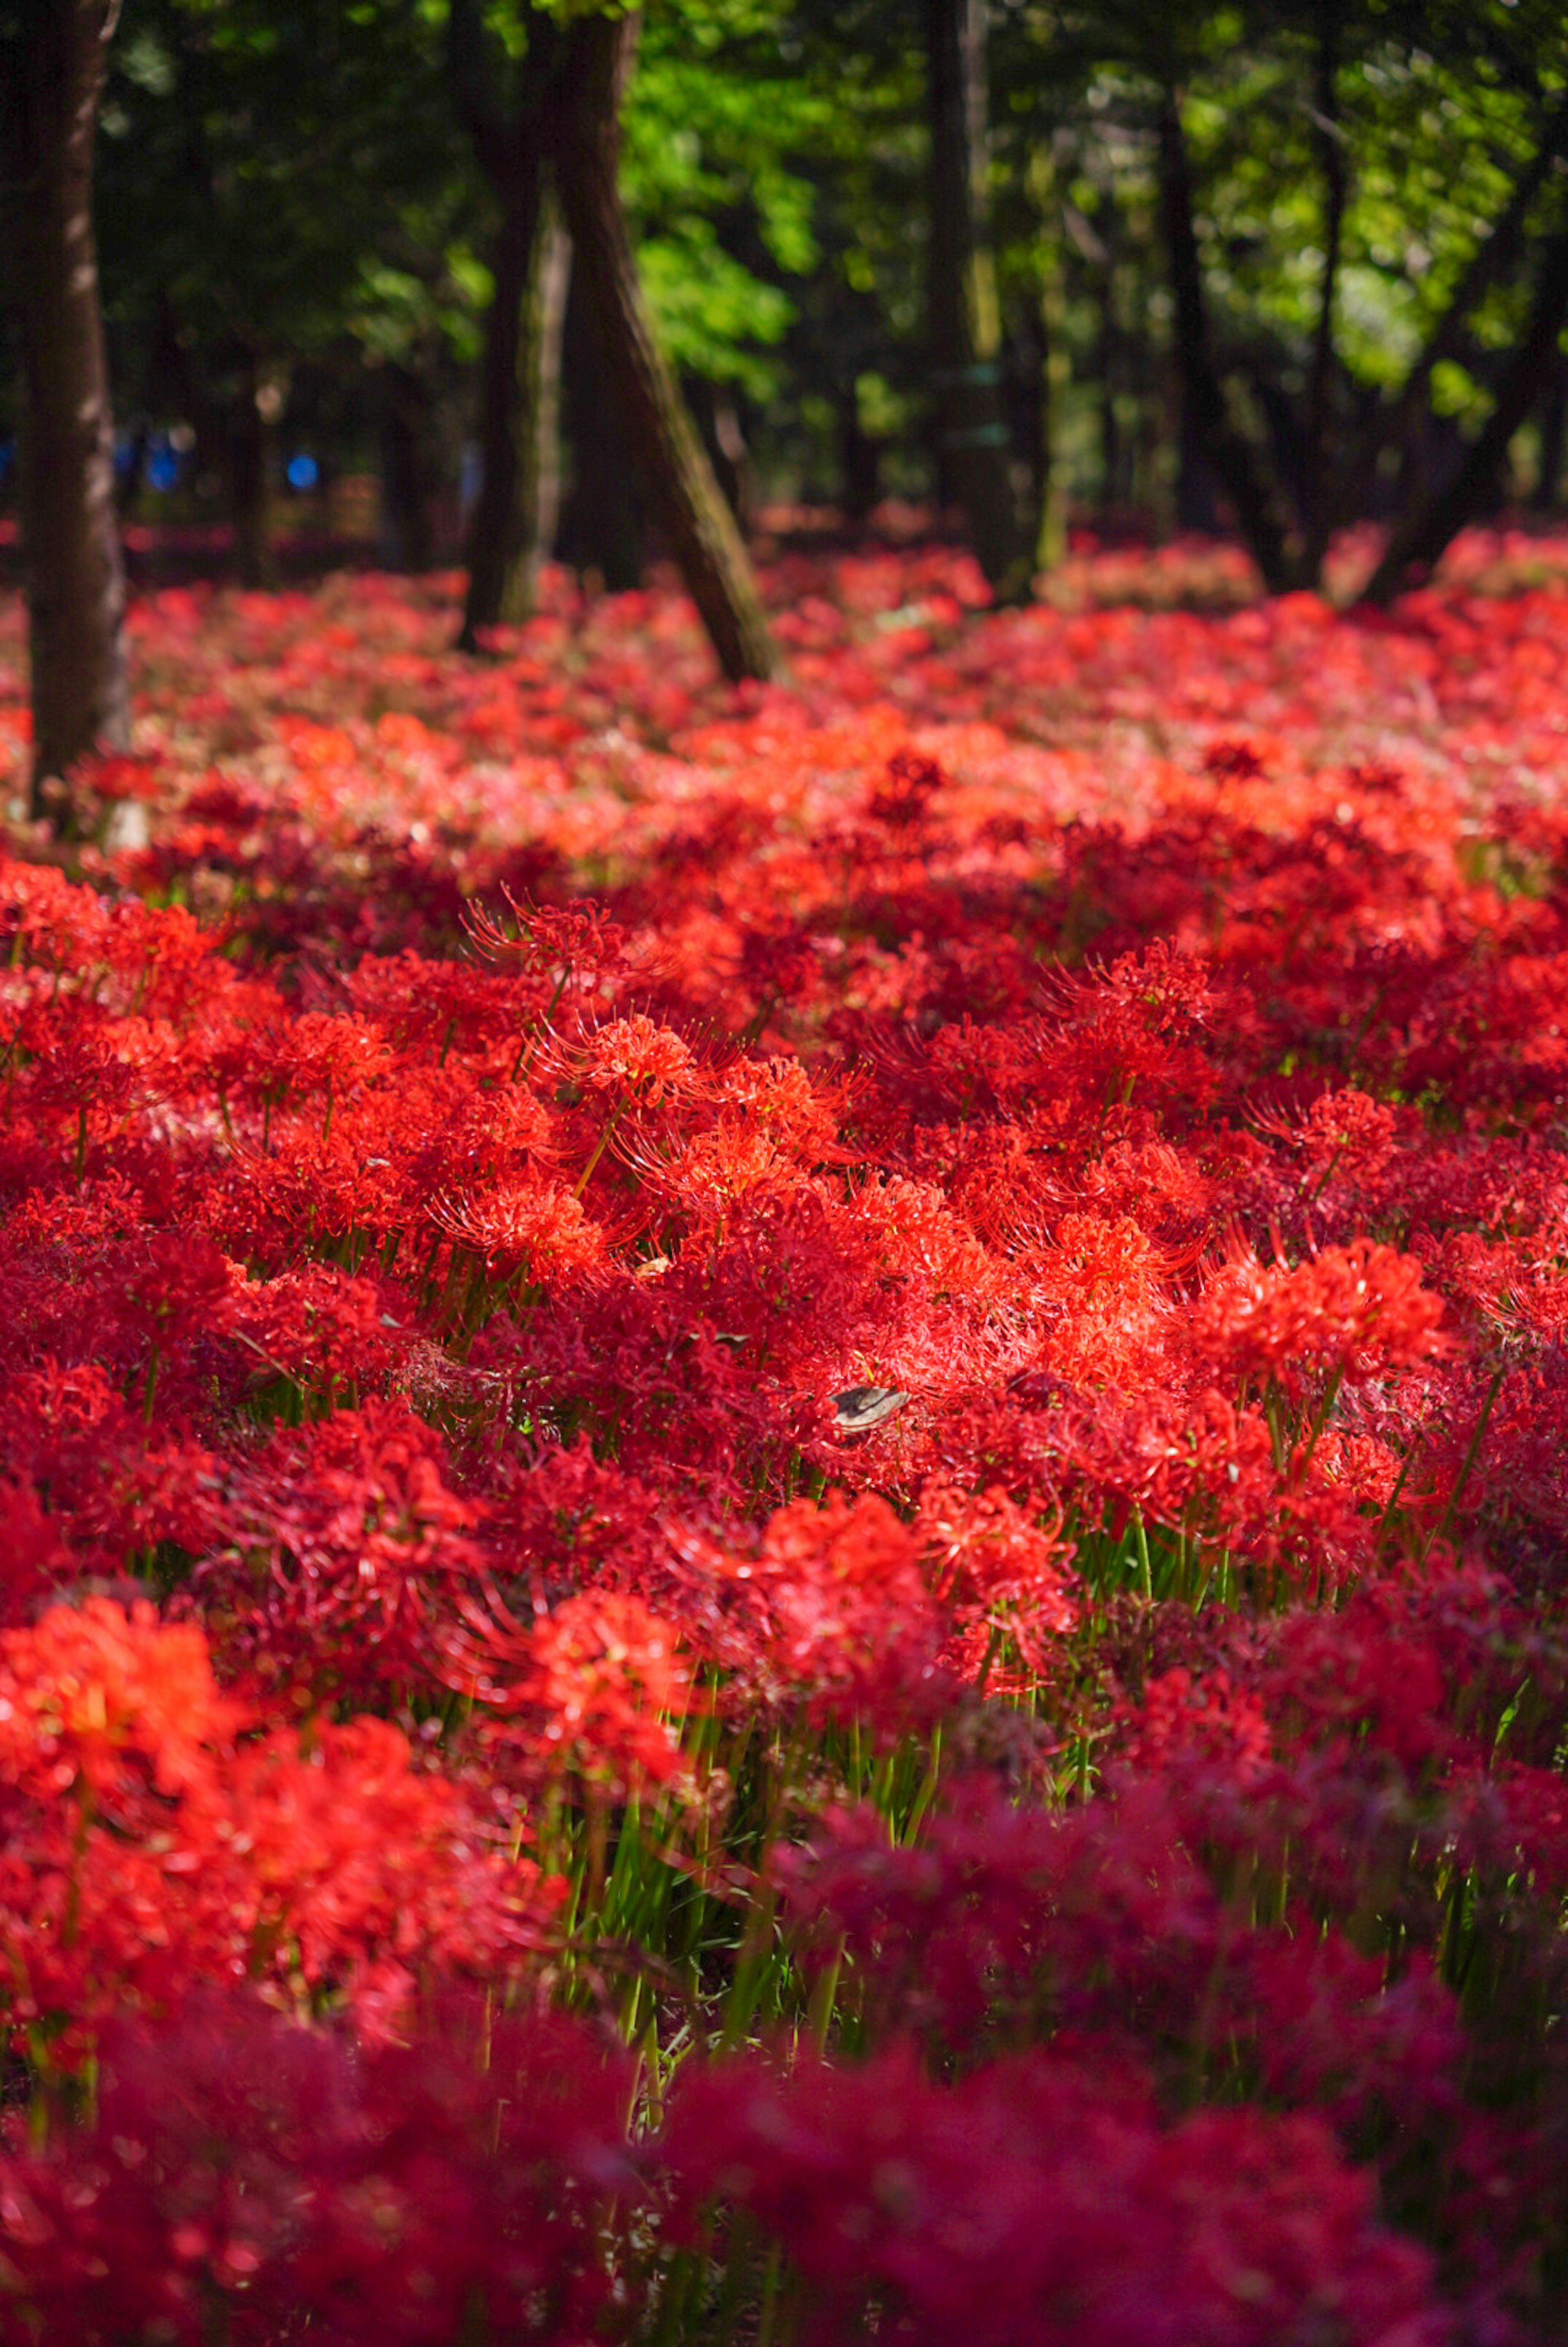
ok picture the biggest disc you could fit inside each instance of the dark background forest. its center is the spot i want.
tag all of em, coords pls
(491, 282)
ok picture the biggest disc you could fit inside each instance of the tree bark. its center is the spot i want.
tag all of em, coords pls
(76, 579)
(514, 524)
(1316, 502)
(1203, 396)
(1553, 437)
(1053, 374)
(1419, 542)
(603, 530)
(859, 462)
(973, 443)
(249, 454)
(687, 502)
(1398, 423)
(409, 471)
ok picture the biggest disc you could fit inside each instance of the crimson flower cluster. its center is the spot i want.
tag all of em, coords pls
(523, 1816)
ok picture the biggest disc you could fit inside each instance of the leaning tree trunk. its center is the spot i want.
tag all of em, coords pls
(1419, 543)
(75, 581)
(514, 524)
(973, 439)
(686, 500)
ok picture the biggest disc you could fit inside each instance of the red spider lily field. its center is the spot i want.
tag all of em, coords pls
(786, 1473)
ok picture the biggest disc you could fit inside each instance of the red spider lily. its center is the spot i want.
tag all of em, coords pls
(148, 1847)
(597, 1686)
(247, 2171)
(343, 1549)
(1028, 2203)
(1352, 1312)
(1136, 1035)
(842, 1620)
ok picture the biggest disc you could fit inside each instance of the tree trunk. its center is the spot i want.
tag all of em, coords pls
(686, 499)
(514, 524)
(76, 580)
(1419, 543)
(409, 471)
(249, 465)
(718, 420)
(974, 442)
(603, 530)
(1055, 380)
(1054, 374)
(1399, 423)
(1110, 356)
(1203, 396)
(859, 462)
(1553, 437)
(1315, 504)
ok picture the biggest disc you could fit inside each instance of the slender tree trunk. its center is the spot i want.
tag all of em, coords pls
(409, 471)
(1419, 543)
(1232, 456)
(1196, 510)
(130, 482)
(973, 441)
(1110, 357)
(75, 581)
(514, 524)
(249, 454)
(859, 462)
(718, 420)
(1055, 372)
(1553, 438)
(689, 503)
(1317, 502)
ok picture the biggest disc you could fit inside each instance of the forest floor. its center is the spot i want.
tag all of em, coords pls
(788, 1470)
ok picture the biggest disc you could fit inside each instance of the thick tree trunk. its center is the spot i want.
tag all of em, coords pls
(1203, 396)
(75, 581)
(1419, 543)
(973, 443)
(515, 518)
(686, 499)
(603, 530)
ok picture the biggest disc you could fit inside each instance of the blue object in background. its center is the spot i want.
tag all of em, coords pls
(163, 466)
(302, 472)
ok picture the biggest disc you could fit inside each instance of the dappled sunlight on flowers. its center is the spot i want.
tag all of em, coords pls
(786, 1524)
